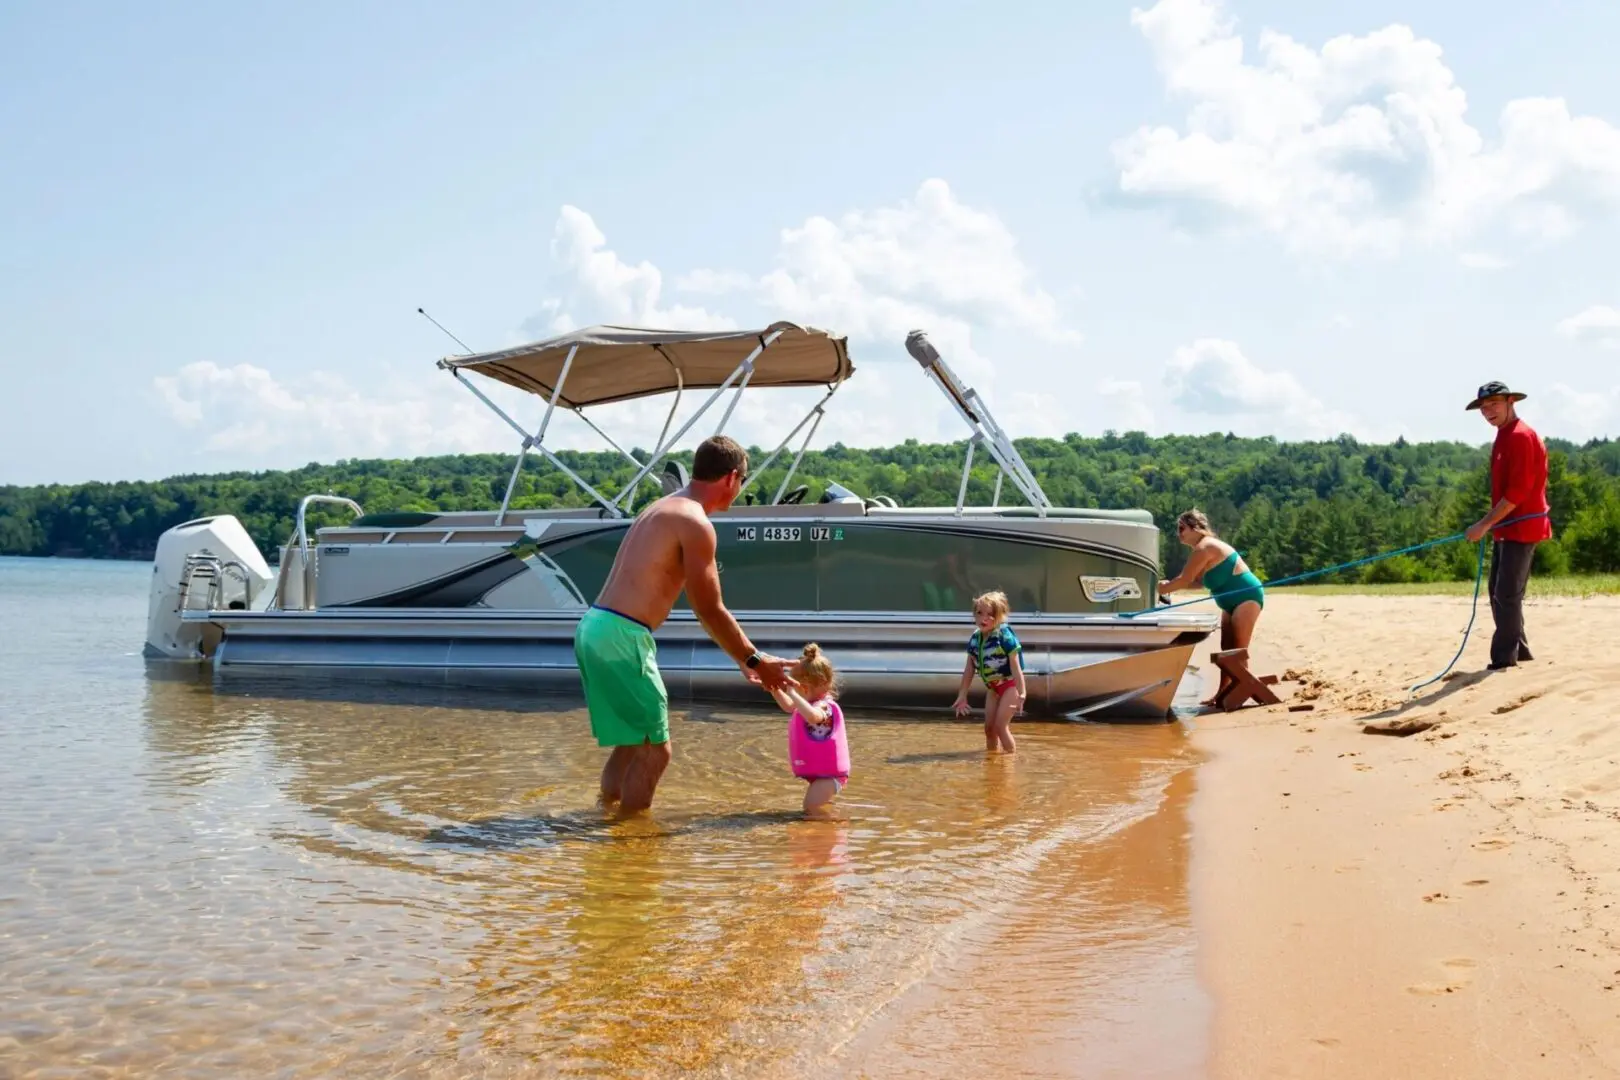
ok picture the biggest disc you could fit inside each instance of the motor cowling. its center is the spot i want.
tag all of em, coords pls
(206, 564)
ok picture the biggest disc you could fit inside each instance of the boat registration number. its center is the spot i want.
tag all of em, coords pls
(786, 533)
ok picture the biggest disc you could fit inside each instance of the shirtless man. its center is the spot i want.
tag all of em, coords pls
(669, 548)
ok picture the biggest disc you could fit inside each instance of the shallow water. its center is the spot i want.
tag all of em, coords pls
(225, 882)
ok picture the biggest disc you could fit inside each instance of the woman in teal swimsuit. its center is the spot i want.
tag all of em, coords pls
(1219, 568)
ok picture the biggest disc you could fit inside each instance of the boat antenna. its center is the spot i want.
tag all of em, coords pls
(447, 333)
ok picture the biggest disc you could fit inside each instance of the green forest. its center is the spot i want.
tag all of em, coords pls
(1288, 506)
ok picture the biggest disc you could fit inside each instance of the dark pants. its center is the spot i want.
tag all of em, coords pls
(1510, 572)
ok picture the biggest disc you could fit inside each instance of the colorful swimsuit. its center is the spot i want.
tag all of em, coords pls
(992, 654)
(1229, 589)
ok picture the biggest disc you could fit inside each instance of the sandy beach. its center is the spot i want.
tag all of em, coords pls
(1440, 904)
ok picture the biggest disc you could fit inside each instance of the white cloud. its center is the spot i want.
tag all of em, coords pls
(930, 262)
(1584, 414)
(872, 274)
(1341, 321)
(250, 416)
(1212, 377)
(1597, 325)
(1483, 260)
(592, 277)
(1361, 146)
(1124, 405)
(931, 253)
(1035, 414)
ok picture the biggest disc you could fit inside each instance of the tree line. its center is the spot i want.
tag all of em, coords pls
(1288, 506)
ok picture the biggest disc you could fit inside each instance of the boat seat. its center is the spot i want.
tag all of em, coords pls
(674, 477)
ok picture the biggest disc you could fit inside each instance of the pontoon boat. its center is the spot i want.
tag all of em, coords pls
(492, 597)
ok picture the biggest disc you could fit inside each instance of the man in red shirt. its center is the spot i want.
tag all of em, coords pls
(1518, 488)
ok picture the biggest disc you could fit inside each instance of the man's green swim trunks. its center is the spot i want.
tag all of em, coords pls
(618, 663)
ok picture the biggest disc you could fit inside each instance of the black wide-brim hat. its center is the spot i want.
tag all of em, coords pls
(1495, 389)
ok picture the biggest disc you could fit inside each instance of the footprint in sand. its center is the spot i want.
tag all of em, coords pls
(1492, 843)
(1401, 727)
(1520, 703)
(1433, 989)
(1326, 1040)
(1478, 881)
(1459, 968)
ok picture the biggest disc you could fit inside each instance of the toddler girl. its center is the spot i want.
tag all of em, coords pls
(994, 652)
(817, 745)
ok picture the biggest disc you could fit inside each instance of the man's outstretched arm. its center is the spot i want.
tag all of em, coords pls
(703, 593)
(703, 590)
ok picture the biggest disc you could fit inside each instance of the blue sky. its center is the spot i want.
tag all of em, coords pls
(216, 224)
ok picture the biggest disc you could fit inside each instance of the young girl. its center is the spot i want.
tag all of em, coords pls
(817, 745)
(994, 652)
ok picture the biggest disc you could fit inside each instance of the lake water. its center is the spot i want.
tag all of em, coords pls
(218, 882)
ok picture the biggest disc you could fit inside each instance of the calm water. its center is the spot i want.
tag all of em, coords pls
(213, 883)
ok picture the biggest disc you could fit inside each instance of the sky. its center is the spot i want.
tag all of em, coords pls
(1296, 219)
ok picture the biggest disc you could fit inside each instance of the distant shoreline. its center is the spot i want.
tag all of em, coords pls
(1562, 585)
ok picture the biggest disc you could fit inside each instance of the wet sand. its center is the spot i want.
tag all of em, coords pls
(1440, 904)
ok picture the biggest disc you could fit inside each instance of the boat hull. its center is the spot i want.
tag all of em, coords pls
(1099, 667)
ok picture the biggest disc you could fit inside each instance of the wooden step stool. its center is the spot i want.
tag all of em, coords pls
(1239, 684)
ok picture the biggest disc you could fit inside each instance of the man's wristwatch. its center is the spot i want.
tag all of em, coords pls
(753, 660)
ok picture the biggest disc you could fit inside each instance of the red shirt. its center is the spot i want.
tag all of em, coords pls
(1519, 474)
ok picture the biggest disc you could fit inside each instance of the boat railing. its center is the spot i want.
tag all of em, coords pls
(298, 593)
(210, 571)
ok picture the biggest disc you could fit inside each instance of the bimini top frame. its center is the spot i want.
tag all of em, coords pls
(972, 409)
(604, 364)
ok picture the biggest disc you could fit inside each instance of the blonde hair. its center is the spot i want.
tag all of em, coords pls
(993, 602)
(816, 672)
(1195, 519)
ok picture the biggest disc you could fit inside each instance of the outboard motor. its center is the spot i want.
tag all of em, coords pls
(674, 477)
(838, 493)
(207, 564)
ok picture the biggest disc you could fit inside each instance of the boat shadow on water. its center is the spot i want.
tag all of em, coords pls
(509, 832)
(349, 689)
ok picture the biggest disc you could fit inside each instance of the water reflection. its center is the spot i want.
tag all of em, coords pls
(363, 879)
(1093, 966)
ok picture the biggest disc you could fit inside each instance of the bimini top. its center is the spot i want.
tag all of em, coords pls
(617, 363)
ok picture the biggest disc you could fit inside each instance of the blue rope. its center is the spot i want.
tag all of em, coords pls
(1479, 576)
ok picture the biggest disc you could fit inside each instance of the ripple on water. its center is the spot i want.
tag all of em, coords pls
(222, 883)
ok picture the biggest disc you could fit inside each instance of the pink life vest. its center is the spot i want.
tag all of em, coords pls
(814, 758)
